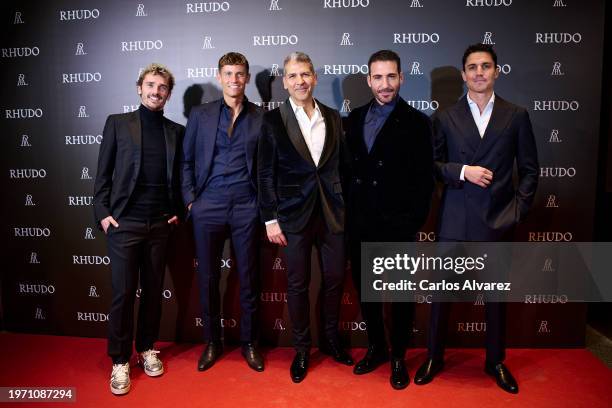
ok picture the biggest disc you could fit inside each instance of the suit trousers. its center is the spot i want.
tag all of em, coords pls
(137, 251)
(216, 216)
(495, 317)
(298, 254)
(402, 313)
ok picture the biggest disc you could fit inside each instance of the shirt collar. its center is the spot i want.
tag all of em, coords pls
(385, 109)
(225, 106)
(297, 108)
(472, 103)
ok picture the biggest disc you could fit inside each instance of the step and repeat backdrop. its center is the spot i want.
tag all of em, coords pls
(66, 65)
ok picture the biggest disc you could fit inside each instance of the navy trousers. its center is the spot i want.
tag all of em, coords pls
(217, 215)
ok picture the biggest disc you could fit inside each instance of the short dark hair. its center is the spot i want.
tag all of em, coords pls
(233, 58)
(157, 69)
(478, 47)
(385, 55)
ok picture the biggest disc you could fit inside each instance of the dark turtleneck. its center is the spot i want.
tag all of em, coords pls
(150, 199)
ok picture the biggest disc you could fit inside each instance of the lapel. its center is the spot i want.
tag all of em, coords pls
(170, 136)
(248, 139)
(210, 121)
(330, 134)
(385, 131)
(500, 118)
(135, 129)
(466, 124)
(293, 131)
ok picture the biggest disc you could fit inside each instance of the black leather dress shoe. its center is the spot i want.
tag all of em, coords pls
(399, 375)
(210, 354)
(337, 353)
(252, 357)
(427, 371)
(371, 361)
(299, 366)
(502, 376)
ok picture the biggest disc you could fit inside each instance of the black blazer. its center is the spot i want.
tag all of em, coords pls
(391, 186)
(199, 146)
(289, 181)
(469, 212)
(119, 164)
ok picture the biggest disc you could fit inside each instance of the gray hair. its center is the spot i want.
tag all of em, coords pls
(299, 56)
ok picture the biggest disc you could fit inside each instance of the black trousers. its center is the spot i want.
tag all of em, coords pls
(402, 313)
(495, 317)
(298, 254)
(137, 250)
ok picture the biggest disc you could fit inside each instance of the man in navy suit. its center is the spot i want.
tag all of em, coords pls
(300, 190)
(220, 190)
(477, 143)
(136, 199)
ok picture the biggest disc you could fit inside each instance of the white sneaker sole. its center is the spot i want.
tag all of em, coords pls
(123, 391)
(153, 373)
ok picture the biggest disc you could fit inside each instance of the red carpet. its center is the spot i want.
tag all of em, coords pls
(547, 378)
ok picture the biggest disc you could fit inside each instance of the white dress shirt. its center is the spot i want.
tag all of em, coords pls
(481, 120)
(313, 130)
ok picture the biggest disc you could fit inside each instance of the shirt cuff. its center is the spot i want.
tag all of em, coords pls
(462, 175)
(271, 222)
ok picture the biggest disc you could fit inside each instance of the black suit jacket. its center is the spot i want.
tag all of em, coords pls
(470, 212)
(119, 164)
(289, 180)
(391, 186)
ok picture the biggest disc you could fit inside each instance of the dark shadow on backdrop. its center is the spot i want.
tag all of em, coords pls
(446, 86)
(198, 94)
(355, 88)
(263, 83)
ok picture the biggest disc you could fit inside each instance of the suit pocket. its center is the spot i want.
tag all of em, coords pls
(338, 188)
(287, 191)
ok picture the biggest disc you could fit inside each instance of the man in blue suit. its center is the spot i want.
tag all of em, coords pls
(477, 142)
(220, 190)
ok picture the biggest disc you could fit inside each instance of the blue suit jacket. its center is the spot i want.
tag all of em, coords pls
(470, 212)
(199, 146)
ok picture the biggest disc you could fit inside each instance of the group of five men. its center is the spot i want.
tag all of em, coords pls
(293, 169)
